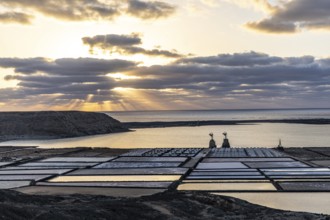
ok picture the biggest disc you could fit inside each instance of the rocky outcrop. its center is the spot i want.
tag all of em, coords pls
(168, 205)
(55, 124)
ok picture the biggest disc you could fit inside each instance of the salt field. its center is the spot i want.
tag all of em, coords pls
(253, 174)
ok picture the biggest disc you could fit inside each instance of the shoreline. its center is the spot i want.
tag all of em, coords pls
(45, 138)
(159, 124)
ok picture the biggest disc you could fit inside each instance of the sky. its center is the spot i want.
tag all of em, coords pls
(123, 55)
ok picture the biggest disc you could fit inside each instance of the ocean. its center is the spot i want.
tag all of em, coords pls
(246, 135)
(195, 115)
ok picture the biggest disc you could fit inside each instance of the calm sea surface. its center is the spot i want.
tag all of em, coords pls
(147, 116)
(252, 135)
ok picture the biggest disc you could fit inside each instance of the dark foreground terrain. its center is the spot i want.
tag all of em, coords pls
(167, 205)
(55, 124)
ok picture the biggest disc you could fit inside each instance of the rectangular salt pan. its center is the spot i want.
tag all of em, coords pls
(50, 164)
(110, 184)
(312, 179)
(134, 171)
(244, 152)
(13, 184)
(223, 177)
(138, 152)
(135, 165)
(22, 172)
(78, 159)
(263, 152)
(296, 170)
(32, 168)
(150, 159)
(300, 177)
(117, 178)
(324, 163)
(227, 186)
(252, 159)
(292, 173)
(226, 165)
(304, 186)
(224, 173)
(40, 168)
(226, 170)
(24, 177)
(275, 164)
(172, 152)
(228, 181)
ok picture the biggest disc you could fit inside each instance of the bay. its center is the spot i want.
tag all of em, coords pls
(254, 135)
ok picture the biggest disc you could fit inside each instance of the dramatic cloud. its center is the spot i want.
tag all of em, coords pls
(249, 80)
(61, 82)
(80, 10)
(125, 44)
(15, 17)
(149, 10)
(237, 59)
(293, 16)
(66, 66)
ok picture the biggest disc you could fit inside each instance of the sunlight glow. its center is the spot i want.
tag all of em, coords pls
(121, 76)
(121, 89)
(7, 83)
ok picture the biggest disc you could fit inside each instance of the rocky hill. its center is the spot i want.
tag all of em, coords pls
(168, 205)
(55, 124)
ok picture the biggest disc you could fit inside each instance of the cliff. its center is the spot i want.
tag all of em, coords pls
(55, 124)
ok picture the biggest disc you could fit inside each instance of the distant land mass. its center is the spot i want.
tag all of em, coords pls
(55, 124)
(159, 124)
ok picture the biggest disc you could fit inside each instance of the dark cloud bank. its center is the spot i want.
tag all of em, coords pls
(125, 44)
(294, 16)
(22, 11)
(248, 79)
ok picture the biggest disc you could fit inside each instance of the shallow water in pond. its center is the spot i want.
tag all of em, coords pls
(304, 202)
(227, 186)
(116, 178)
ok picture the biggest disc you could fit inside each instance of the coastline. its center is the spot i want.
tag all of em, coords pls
(50, 125)
(158, 124)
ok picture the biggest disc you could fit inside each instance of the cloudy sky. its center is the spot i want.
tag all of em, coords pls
(103, 55)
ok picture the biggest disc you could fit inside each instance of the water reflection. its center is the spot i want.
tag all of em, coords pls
(226, 181)
(226, 186)
(302, 202)
(121, 178)
(259, 135)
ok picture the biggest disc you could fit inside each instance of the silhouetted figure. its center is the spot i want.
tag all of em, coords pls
(280, 147)
(212, 142)
(225, 143)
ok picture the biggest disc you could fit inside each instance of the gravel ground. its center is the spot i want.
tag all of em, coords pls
(167, 205)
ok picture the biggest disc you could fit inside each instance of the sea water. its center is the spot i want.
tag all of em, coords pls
(246, 135)
(199, 115)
